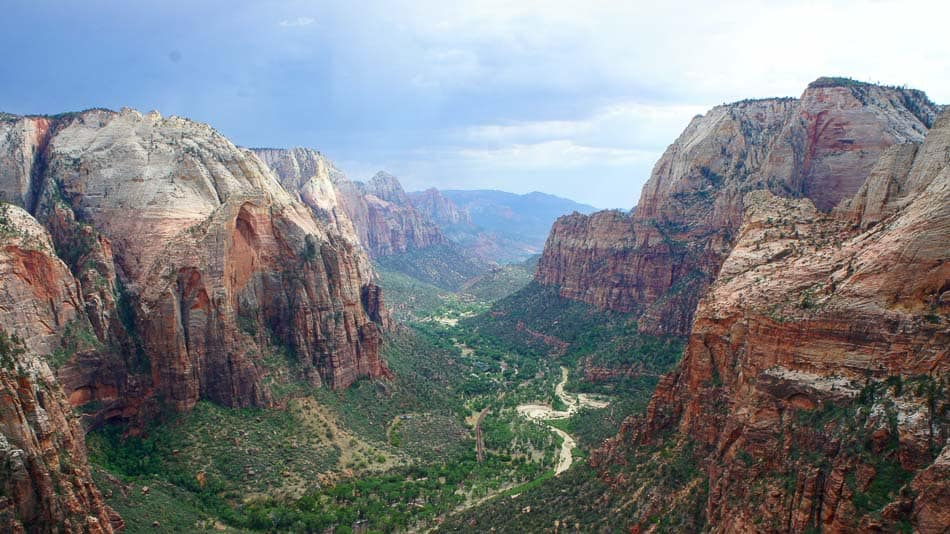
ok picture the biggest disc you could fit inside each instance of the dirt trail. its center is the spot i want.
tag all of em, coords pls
(539, 412)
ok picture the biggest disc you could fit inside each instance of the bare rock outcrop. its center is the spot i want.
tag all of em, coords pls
(191, 259)
(45, 482)
(658, 261)
(818, 363)
(439, 208)
(147, 262)
(378, 214)
(312, 177)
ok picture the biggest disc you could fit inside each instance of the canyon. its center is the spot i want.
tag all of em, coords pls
(464, 232)
(156, 280)
(800, 247)
(153, 264)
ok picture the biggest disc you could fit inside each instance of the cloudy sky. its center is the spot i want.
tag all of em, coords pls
(573, 98)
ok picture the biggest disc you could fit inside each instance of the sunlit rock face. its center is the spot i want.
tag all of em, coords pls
(845, 314)
(190, 258)
(147, 263)
(658, 261)
(377, 214)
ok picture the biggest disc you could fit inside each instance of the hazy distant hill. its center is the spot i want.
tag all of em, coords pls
(496, 225)
(528, 216)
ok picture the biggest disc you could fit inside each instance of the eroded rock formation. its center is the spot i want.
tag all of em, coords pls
(379, 213)
(45, 482)
(658, 261)
(149, 262)
(813, 389)
(439, 209)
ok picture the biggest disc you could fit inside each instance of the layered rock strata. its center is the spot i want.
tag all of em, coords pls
(439, 209)
(378, 214)
(658, 261)
(191, 260)
(814, 384)
(148, 263)
(45, 484)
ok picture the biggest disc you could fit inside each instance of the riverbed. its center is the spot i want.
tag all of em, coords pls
(542, 413)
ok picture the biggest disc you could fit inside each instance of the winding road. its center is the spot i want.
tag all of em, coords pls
(542, 413)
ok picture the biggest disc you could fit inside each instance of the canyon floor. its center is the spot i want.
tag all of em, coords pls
(544, 413)
(382, 455)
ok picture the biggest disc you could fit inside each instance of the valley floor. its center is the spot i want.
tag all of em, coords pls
(476, 413)
(544, 413)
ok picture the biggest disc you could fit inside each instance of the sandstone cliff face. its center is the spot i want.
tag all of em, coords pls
(821, 146)
(314, 180)
(456, 224)
(818, 363)
(149, 262)
(191, 256)
(438, 208)
(44, 478)
(385, 219)
(21, 145)
(311, 177)
(377, 214)
(395, 225)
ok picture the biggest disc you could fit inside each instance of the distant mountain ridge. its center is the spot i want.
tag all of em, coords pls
(489, 226)
(496, 225)
(377, 214)
(535, 211)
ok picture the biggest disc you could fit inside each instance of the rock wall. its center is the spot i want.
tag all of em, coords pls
(658, 261)
(378, 214)
(385, 218)
(814, 383)
(312, 178)
(45, 482)
(438, 208)
(147, 262)
(190, 258)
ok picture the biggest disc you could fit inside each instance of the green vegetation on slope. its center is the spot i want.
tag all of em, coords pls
(582, 500)
(381, 455)
(662, 485)
(445, 266)
(408, 298)
(393, 454)
(537, 320)
(499, 282)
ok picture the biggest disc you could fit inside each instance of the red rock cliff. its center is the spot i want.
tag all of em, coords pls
(191, 257)
(658, 261)
(45, 482)
(814, 383)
